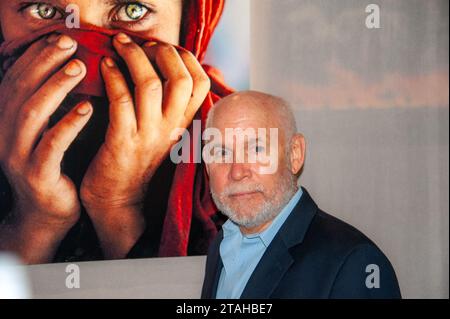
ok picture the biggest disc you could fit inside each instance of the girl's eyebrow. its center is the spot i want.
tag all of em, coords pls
(113, 2)
(53, 2)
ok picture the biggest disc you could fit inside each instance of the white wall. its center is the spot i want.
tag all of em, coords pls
(178, 277)
(373, 105)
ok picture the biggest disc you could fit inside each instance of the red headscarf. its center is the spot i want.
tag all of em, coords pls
(190, 191)
(189, 196)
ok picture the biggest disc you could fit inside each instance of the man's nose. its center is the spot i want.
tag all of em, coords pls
(240, 171)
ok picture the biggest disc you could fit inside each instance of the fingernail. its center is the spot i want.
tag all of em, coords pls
(150, 44)
(109, 62)
(73, 68)
(84, 109)
(65, 42)
(123, 38)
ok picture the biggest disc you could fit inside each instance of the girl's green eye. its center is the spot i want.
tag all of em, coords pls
(42, 11)
(45, 11)
(135, 11)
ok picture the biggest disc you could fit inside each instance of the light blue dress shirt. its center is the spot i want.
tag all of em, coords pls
(241, 253)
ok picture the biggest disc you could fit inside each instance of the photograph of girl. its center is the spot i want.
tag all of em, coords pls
(85, 118)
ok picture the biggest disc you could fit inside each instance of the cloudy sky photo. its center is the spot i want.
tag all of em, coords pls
(335, 61)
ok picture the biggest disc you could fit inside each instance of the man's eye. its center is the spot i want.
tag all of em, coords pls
(43, 11)
(221, 153)
(131, 12)
(257, 149)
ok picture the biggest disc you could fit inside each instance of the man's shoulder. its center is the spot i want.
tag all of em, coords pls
(343, 256)
(335, 238)
(351, 257)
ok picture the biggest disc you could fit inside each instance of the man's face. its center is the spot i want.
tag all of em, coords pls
(244, 191)
(153, 18)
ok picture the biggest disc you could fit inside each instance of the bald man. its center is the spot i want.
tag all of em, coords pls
(277, 243)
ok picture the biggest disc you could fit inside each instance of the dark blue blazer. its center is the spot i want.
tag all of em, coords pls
(314, 255)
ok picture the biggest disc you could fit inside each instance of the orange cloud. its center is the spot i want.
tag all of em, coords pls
(349, 90)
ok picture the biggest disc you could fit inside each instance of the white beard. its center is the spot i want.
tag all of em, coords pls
(266, 212)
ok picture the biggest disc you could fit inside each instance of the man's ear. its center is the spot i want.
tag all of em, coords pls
(297, 153)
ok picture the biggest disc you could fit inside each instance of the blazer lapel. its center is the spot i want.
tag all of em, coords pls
(218, 269)
(269, 271)
(214, 267)
(277, 258)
